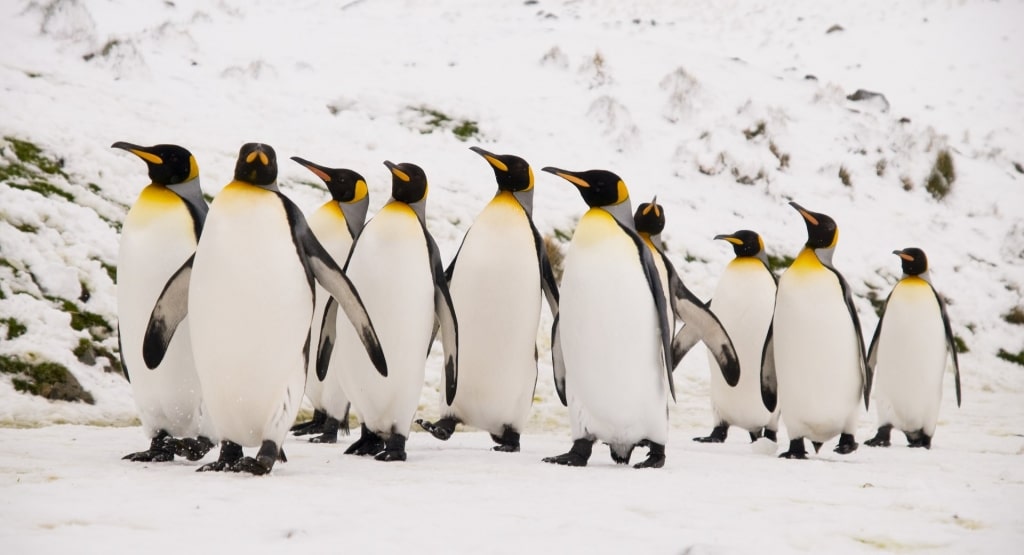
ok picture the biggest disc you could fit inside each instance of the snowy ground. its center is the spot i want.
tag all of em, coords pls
(698, 102)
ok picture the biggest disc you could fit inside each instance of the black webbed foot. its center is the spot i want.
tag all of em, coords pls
(771, 435)
(508, 441)
(394, 449)
(313, 426)
(369, 443)
(329, 431)
(882, 438)
(264, 461)
(442, 429)
(158, 450)
(191, 448)
(718, 434)
(918, 439)
(847, 444)
(577, 456)
(796, 450)
(230, 453)
(655, 457)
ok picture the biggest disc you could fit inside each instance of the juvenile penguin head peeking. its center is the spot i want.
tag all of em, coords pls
(345, 185)
(511, 172)
(168, 164)
(257, 164)
(822, 232)
(914, 261)
(408, 182)
(649, 217)
(744, 242)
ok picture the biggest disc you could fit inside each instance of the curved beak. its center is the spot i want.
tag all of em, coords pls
(317, 169)
(805, 213)
(140, 151)
(491, 158)
(567, 175)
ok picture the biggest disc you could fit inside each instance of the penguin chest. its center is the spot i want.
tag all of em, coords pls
(390, 267)
(610, 336)
(250, 302)
(157, 238)
(496, 292)
(744, 302)
(911, 356)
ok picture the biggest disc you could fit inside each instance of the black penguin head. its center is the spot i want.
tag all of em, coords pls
(511, 172)
(914, 261)
(649, 217)
(744, 242)
(408, 182)
(257, 164)
(599, 188)
(345, 185)
(168, 164)
(822, 231)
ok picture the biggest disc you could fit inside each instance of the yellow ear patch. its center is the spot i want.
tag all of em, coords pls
(193, 168)
(151, 158)
(496, 163)
(400, 174)
(760, 242)
(361, 191)
(835, 239)
(529, 171)
(623, 192)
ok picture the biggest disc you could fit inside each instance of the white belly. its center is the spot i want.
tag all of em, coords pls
(616, 384)
(250, 304)
(744, 302)
(911, 359)
(817, 357)
(390, 267)
(156, 239)
(329, 225)
(496, 292)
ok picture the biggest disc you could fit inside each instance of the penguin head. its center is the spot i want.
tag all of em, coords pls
(345, 185)
(408, 182)
(168, 164)
(512, 173)
(600, 188)
(649, 217)
(744, 242)
(914, 261)
(822, 232)
(257, 164)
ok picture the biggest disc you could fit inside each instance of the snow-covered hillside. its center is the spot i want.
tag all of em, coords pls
(724, 110)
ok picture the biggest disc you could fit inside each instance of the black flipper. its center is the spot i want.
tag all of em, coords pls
(120, 354)
(444, 311)
(170, 309)
(685, 340)
(548, 283)
(872, 360)
(328, 337)
(951, 344)
(866, 372)
(558, 362)
(769, 382)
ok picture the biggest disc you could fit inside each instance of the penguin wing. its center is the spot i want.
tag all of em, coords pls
(445, 313)
(326, 271)
(693, 312)
(866, 371)
(170, 309)
(950, 342)
(192, 195)
(548, 283)
(687, 337)
(558, 362)
(873, 348)
(120, 354)
(660, 303)
(328, 337)
(769, 383)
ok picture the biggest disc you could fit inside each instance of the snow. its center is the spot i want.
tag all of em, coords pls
(659, 92)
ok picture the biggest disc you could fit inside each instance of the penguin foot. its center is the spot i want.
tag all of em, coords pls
(230, 453)
(192, 449)
(369, 443)
(847, 444)
(882, 438)
(622, 457)
(442, 429)
(158, 450)
(796, 450)
(253, 466)
(508, 441)
(718, 435)
(329, 431)
(918, 439)
(325, 438)
(394, 449)
(771, 435)
(577, 456)
(655, 458)
(313, 426)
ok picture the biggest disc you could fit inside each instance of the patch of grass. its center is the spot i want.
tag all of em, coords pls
(562, 235)
(433, 119)
(30, 154)
(43, 188)
(1015, 316)
(46, 379)
(555, 256)
(877, 301)
(110, 269)
(759, 128)
(83, 319)
(782, 157)
(14, 328)
(844, 176)
(33, 170)
(880, 167)
(747, 179)
(778, 264)
(26, 228)
(87, 352)
(942, 176)
(1017, 358)
(466, 130)
(960, 345)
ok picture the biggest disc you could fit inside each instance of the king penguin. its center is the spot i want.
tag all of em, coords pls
(161, 232)
(396, 265)
(744, 302)
(813, 365)
(611, 339)
(250, 291)
(496, 281)
(908, 355)
(336, 224)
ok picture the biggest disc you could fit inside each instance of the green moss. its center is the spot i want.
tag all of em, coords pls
(14, 327)
(1017, 358)
(960, 345)
(463, 129)
(555, 256)
(756, 131)
(466, 130)
(46, 379)
(877, 302)
(844, 176)
(32, 155)
(562, 235)
(942, 176)
(43, 188)
(26, 228)
(779, 264)
(88, 352)
(111, 270)
(33, 170)
(83, 319)
(1015, 316)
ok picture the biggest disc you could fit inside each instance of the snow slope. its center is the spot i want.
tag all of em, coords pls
(725, 110)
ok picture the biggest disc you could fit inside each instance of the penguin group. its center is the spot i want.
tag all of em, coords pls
(229, 316)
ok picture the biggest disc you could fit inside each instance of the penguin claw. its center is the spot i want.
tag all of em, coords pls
(436, 429)
(253, 466)
(151, 455)
(653, 461)
(567, 459)
(792, 455)
(324, 438)
(215, 466)
(389, 456)
(709, 439)
(192, 449)
(876, 442)
(847, 444)
(506, 448)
